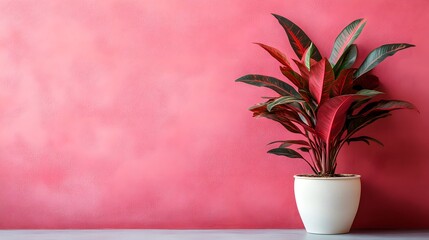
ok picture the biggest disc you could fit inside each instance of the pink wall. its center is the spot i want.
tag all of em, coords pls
(124, 114)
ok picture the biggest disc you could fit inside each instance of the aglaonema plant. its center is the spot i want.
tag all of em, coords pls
(330, 100)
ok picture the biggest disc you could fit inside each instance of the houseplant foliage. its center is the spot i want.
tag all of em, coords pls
(328, 100)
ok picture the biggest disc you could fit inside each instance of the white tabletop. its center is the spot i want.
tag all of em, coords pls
(125, 234)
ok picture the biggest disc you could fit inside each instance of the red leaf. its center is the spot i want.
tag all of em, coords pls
(275, 53)
(297, 38)
(331, 116)
(344, 83)
(321, 80)
(283, 117)
(294, 77)
(305, 73)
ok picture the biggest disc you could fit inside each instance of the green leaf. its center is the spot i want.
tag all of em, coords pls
(386, 105)
(291, 154)
(304, 149)
(285, 152)
(347, 59)
(291, 127)
(378, 55)
(307, 56)
(297, 38)
(345, 39)
(287, 143)
(275, 84)
(290, 113)
(360, 121)
(365, 139)
(369, 92)
(282, 100)
(359, 102)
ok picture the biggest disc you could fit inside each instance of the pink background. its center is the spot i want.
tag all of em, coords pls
(125, 114)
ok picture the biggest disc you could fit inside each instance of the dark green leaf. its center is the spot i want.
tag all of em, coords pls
(347, 59)
(275, 84)
(282, 100)
(291, 154)
(286, 143)
(304, 149)
(365, 139)
(386, 105)
(358, 122)
(297, 38)
(378, 55)
(285, 152)
(345, 39)
(369, 92)
(291, 127)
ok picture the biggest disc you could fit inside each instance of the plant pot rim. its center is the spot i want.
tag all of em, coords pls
(337, 177)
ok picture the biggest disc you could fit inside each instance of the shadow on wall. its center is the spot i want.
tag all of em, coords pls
(385, 210)
(395, 200)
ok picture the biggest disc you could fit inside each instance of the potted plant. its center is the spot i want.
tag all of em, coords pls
(329, 102)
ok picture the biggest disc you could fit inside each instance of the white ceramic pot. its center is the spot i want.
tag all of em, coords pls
(327, 205)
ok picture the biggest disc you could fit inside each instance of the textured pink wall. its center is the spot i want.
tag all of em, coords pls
(124, 114)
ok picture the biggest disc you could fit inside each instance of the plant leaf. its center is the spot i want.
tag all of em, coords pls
(297, 38)
(275, 84)
(347, 36)
(369, 92)
(307, 56)
(291, 127)
(386, 105)
(282, 100)
(378, 55)
(291, 154)
(287, 143)
(365, 139)
(286, 112)
(285, 152)
(347, 59)
(331, 116)
(359, 102)
(344, 83)
(305, 73)
(275, 53)
(260, 110)
(360, 121)
(321, 80)
(294, 77)
(304, 149)
(284, 115)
